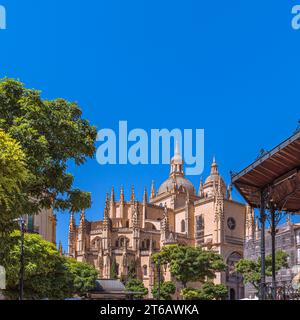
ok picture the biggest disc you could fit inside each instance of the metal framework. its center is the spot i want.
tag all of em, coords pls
(272, 184)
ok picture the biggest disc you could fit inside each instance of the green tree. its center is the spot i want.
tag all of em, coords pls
(208, 291)
(13, 171)
(189, 263)
(113, 269)
(51, 133)
(46, 273)
(135, 285)
(13, 177)
(84, 276)
(166, 290)
(250, 269)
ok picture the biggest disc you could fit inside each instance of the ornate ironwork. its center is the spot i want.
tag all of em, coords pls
(284, 291)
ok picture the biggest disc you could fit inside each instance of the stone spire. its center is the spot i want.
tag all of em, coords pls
(72, 223)
(72, 236)
(176, 162)
(60, 249)
(122, 195)
(200, 191)
(132, 198)
(152, 191)
(112, 207)
(82, 217)
(106, 220)
(145, 197)
(112, 196)
(214, 167)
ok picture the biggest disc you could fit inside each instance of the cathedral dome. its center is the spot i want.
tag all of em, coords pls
(179, 182)
(176, 180)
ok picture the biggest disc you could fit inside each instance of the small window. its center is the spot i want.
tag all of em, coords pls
(182, 226)
(117, 243)
(145, 270)
(127, 224)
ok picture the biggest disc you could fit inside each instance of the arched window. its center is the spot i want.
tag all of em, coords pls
(182, 226)
(145, 270)
(148, 243)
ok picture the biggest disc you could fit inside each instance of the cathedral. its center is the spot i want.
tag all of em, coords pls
(175, 213)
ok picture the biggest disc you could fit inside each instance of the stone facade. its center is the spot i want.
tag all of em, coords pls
(174, 214)
(44, 224)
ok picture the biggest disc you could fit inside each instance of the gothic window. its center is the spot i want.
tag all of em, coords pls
(143, 244)
(145, 270)
(148, 244)
(127, 224)
(182, 226)
(117, 243)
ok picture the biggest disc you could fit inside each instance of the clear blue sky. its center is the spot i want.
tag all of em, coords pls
(230, 67)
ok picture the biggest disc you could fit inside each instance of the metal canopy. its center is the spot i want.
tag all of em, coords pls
(277, 171)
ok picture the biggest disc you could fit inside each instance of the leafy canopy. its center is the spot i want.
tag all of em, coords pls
(208, 291)
(13, 176)
(166, 290)
(250, 269)
(50, 133)
(135, 285)
(189, 263)
(46, 273)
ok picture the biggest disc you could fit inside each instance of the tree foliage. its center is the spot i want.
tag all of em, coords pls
(50, 133)
(135, 285)
(189, 263)
(208, 291)
(113, 269)
(251, 269)
(84, 276)
(46, 273)
(13, 176)
(167, 289)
